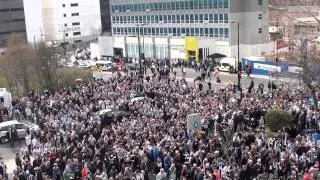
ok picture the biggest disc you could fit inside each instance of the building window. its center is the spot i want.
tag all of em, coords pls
(74, 14)
(211, 32)
(260, 16)
(201, 32)
(64, 15)
(17, 9)
(220, 18)
(201, 18)
(260, 30)
(216, 32)
(76, 24)
(226, 3)
(76, 33)
(260, 2)
(65, 25)
(226, 32)
(226, 18)
(196, 18)
(4, 10)
(215, 18)
(221, 32)
(215, 3)
(74, 4)
(77, 41)
(63, 5)
(66, 35)
(18, 20)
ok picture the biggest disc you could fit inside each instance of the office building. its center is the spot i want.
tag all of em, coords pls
(70, 21)
(11, 20)
(105, 16)
(192, 28)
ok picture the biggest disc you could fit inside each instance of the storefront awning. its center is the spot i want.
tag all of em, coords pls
(216, 55)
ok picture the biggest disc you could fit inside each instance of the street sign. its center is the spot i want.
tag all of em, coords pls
(193, 121)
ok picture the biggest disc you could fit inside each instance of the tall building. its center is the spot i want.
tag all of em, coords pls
(190, 28)
(70, 21)
(105, 16)
(11, 20)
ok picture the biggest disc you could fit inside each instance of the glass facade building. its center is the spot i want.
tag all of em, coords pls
(201, 18)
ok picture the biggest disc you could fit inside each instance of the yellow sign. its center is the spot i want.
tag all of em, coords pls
(191, 48)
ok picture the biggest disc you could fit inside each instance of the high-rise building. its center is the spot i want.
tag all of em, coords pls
(190, 28)
(11, 20)
(69, 21)
(105, 16)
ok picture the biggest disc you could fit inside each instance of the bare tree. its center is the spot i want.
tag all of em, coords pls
(17, 63)
(47, 66)
(305, 51)
(27, 68)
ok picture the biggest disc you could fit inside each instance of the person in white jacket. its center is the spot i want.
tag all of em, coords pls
(161, 175)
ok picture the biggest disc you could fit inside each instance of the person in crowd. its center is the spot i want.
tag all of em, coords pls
(150, 136)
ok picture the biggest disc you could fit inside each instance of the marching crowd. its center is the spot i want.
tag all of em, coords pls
(154, 142)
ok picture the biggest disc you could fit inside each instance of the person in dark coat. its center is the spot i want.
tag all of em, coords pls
(11, 136)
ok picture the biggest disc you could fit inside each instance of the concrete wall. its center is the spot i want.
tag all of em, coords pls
(247, 13)
(177, 48)
(57, 19)
(247, 50)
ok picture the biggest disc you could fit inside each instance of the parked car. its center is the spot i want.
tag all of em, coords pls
(82, 64)
(14, 124)
(132, 67)
(68, 64)
(110, 115)
(105, 65)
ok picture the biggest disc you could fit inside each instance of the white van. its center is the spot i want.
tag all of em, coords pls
(5, 126)
(105, 65)
(5, 98)
(226, 63)
(20, 127)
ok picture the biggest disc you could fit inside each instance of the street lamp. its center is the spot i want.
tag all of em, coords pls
(239, 62)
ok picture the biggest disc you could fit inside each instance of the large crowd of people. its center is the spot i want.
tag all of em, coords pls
(153, 141)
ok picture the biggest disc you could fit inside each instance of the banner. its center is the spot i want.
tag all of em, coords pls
(193, 121)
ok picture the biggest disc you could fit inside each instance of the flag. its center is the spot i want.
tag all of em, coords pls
(316, 137)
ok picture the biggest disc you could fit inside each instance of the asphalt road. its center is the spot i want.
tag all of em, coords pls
(227, 78)
(8, 153)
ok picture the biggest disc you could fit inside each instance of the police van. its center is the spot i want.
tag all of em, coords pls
(5, 98)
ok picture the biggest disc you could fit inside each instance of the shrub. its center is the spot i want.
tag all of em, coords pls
(277, 118)
(67, 76)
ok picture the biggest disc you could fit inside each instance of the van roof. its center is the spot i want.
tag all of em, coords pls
(255, 58)
(103, 62)
(227, 59)
(8, 123)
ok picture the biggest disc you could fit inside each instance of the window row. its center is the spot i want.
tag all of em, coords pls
(160, 51)
(13, 9)
(175, 18)
(171, 5)
(176, 31)
(72, 5)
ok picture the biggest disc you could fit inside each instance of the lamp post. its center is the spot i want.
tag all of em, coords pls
(239, 62)
(140, 55)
